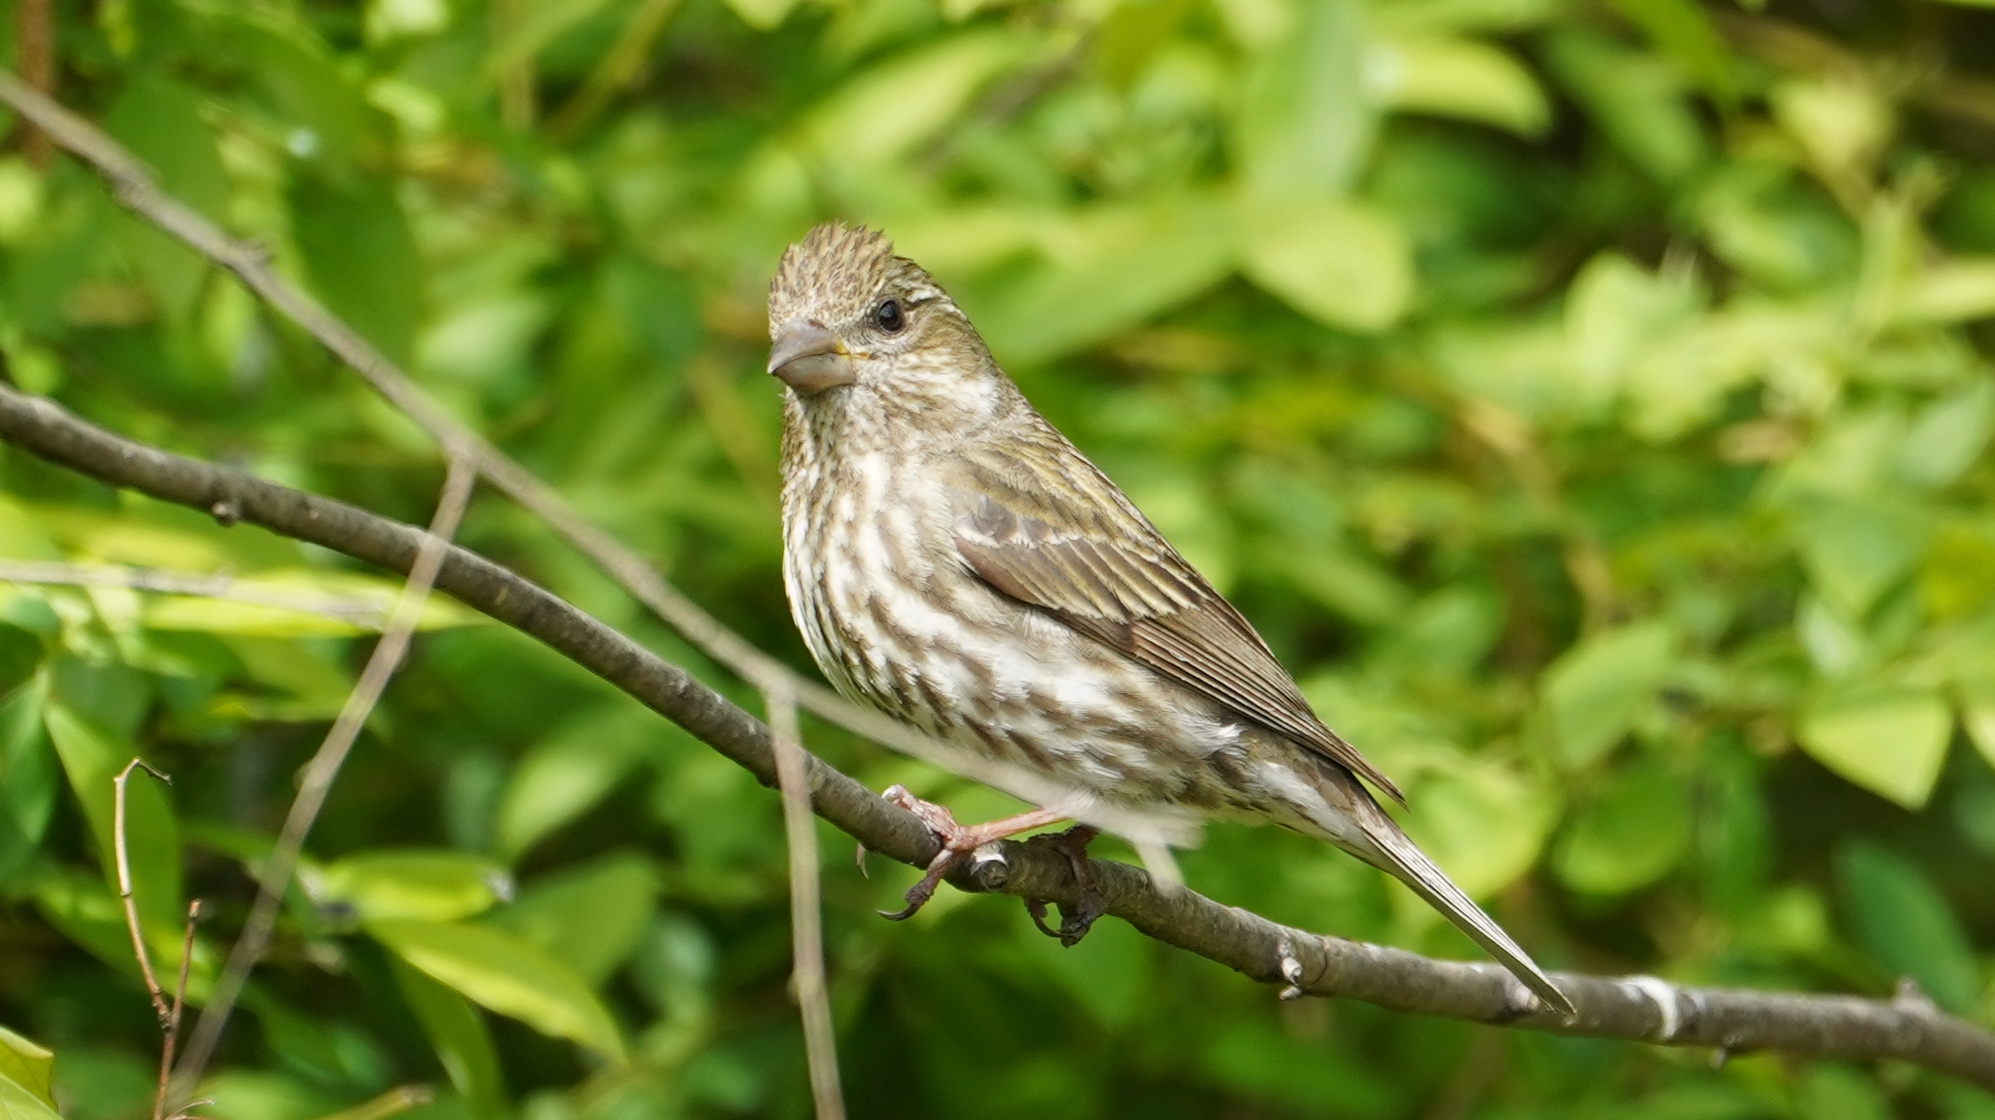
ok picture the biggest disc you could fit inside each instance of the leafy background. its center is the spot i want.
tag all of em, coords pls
(1587, 399)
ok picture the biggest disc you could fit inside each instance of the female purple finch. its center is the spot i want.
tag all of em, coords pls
(954, 562)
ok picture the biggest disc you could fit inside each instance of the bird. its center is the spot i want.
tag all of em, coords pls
(954, 561)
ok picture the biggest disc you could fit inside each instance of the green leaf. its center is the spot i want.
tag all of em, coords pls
(1596, 689)
(1840, 120)
(507, 974)
(1948, 435)
(1462, 78)
(1889, 739)
(461, 1039)
(591, 916)
(1960, 290)
(1484, 823)
(17, 1102)
(1903, 922)
(27, 1064)
(1304, 123)
(429, 883)
(1632, 835)
(361, 257)
(1637, 100)
(160, 120)
(1341, 263)
(91, 758)
(1615, 311)
(1977, 715)
(886, 111)
(565, 776)
(28, 769)
(1119, 266)
(1856, 550)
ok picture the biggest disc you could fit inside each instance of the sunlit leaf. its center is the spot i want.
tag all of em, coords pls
(1888, 739)
(1949, 434)
(17, 1102)
(1339, 262)
(506, 974)
(1483, 823)
(1594, 691)
(1121, 265)
(433, 884)
(27, 1064)
(1304, 122)
(1855, 551)
(590, 916)
(1456, 78)
(461, 1039)
(565, 776)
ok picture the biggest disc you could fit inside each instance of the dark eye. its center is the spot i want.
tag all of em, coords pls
(889, 316)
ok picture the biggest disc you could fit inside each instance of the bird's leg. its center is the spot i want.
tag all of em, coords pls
(1073, 843)
(958, 841)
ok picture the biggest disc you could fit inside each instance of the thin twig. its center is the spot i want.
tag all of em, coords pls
(324, 768)
(166, 1047)
(136, 189)
(806, 918)
(1634, 1009)
(352, 610)
(122, 856)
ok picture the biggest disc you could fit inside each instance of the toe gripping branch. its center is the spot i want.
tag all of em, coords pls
(959, 841)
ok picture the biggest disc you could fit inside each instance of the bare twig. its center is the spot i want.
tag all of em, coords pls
(806, 919)
(166, 1047)
(1636, 1009)
(122, 856)
(350, 609)
(169, 1013)
(324, 768)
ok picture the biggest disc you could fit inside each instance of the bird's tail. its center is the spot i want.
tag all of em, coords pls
(1379, 841)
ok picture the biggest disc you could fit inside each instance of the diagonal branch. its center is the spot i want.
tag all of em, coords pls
(1635, 1009)
(133, 184)
(324, 768)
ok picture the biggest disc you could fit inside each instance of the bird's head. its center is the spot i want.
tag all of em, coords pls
(845, 313)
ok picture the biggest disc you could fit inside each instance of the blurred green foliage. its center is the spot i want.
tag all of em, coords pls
(1589, 400)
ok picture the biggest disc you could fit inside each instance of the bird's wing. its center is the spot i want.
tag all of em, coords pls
(1057, 534)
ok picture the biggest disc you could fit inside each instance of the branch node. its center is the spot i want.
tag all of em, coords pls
(226, 512)
(990, 868)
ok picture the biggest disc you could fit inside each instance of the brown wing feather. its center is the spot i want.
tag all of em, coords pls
(1103, 570)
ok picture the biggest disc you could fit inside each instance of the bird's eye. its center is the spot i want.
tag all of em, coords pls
(889, 316)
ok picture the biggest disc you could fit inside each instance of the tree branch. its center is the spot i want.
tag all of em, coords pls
(133, 185)
(1640, 1009)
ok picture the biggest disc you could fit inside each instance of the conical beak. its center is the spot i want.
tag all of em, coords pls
(809, 358)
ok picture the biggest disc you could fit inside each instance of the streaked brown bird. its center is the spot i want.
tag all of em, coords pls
(955, 562)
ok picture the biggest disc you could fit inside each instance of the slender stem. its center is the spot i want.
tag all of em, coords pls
(806, 917)
(324, 768)
(173, 1021)
(122, 856)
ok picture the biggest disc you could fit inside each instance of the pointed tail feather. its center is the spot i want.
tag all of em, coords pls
(1395, 853)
